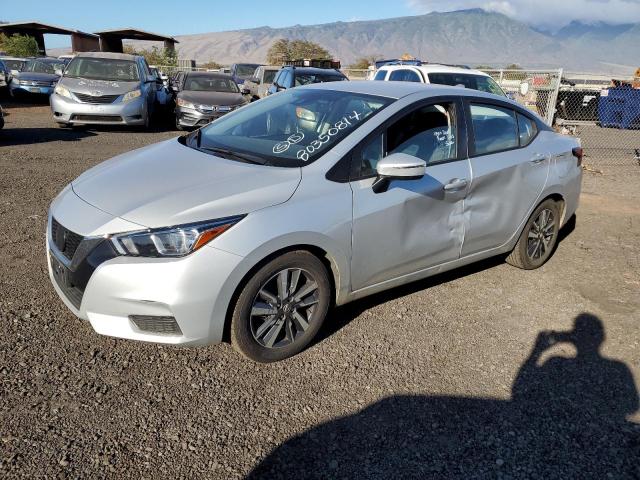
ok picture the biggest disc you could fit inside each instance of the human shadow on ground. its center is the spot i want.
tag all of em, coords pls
(567, 419)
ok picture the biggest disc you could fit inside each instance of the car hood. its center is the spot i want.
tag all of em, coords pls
(169, 184)
(212, 98)
(38, 77)
(105, 87)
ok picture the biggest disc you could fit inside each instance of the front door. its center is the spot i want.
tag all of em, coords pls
(415, 224)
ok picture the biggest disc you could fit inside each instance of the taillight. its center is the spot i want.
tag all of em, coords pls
(578, 153)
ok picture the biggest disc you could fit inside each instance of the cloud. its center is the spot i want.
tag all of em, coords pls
(543, 13)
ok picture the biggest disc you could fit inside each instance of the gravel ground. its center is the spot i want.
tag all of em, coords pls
(447, 378)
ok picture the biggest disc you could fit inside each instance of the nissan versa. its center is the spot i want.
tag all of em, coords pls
(250, 228)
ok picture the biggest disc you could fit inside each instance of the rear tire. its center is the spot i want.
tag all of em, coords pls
(538, 238)
(281, 308)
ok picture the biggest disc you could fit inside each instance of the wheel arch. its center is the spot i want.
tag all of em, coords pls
(337, 277)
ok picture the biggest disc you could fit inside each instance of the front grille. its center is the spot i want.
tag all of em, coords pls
(157, 325)
(83, 97)
(97, 118)
(66, 240)
(37, 84)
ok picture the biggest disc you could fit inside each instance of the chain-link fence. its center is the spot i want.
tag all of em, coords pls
(535, 89)
(604, 113)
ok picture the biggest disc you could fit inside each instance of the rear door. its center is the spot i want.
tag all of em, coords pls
(510, 170)
(414, 224)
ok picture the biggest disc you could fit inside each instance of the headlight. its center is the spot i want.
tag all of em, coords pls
(183, 103)
(24, 82)
(131, 95)
(174, 241)
(62, 91)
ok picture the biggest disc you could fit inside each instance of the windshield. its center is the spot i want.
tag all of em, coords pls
(202, 83)
(269, 75)
(467, 80)
(38, 66)
(307, 78)
(14, 64)
(246, 70)
(103, 69)
(289, 129)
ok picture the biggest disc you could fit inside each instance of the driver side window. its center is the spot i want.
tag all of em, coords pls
(429, 133)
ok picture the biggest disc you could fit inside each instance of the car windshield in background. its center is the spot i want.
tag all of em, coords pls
(202, 83)
(14, 64)
(308, 78)
(245, 71)
(269, 75)
(103, 69)
(467, 80)
(38, 66)
(290, 129)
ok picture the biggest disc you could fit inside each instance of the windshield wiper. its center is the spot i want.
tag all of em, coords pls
(243, 157)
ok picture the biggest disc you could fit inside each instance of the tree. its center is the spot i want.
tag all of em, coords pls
(211, 65)
(19, 45)
(284, 50)
(363, 63)
(513, 66)
(155, 56)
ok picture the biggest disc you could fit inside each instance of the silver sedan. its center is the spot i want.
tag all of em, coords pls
(252, 227)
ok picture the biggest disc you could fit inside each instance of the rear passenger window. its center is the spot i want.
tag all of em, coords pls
(381, 75)
(404, 76)
(495, 129)
(527, 129)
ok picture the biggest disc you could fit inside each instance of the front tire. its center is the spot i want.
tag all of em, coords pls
(281, 308)
(538, 238)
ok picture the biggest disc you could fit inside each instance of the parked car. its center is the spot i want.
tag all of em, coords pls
(105, 88)
(262, 79)
(204, 96)
(14, 64)
(439, 74)
(38, 76)
(242, 71)
(257, 223)
(290, 77)
(5, 75)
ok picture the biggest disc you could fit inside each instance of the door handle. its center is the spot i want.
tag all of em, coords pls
(456, 184)
(539, 158)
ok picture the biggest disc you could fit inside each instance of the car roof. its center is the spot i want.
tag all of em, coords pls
(399, 90)
(46, 59)
(22, 59)
(315, 70)
(435, 68)
(209, 74)
(108, 55)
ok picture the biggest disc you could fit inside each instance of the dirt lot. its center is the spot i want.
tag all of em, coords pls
(447, 378)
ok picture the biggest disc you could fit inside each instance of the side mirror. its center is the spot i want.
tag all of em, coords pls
(398, 166)
(255, 80)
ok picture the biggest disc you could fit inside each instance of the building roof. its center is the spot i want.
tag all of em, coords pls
(136, 34)
(42, 28)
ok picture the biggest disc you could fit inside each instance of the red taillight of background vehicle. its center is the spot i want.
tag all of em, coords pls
(578, 153)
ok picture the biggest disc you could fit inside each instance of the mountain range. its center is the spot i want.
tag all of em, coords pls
(470, 37)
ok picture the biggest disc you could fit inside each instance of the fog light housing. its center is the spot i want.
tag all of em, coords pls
(158, 325)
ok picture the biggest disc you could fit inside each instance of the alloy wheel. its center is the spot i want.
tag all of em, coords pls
(284, 308)
(540, 237)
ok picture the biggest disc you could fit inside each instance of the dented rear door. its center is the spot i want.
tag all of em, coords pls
(505, 186)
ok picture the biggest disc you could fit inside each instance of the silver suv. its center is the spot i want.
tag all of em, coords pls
(105, 88)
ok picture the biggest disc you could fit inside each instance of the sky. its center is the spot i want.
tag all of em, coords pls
(179, 17)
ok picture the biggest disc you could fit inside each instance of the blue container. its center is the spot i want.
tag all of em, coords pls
(620, 108)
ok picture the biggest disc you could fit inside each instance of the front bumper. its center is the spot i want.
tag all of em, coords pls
(190, 117)
(193, 290)
(66, 110)
(29, 89)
